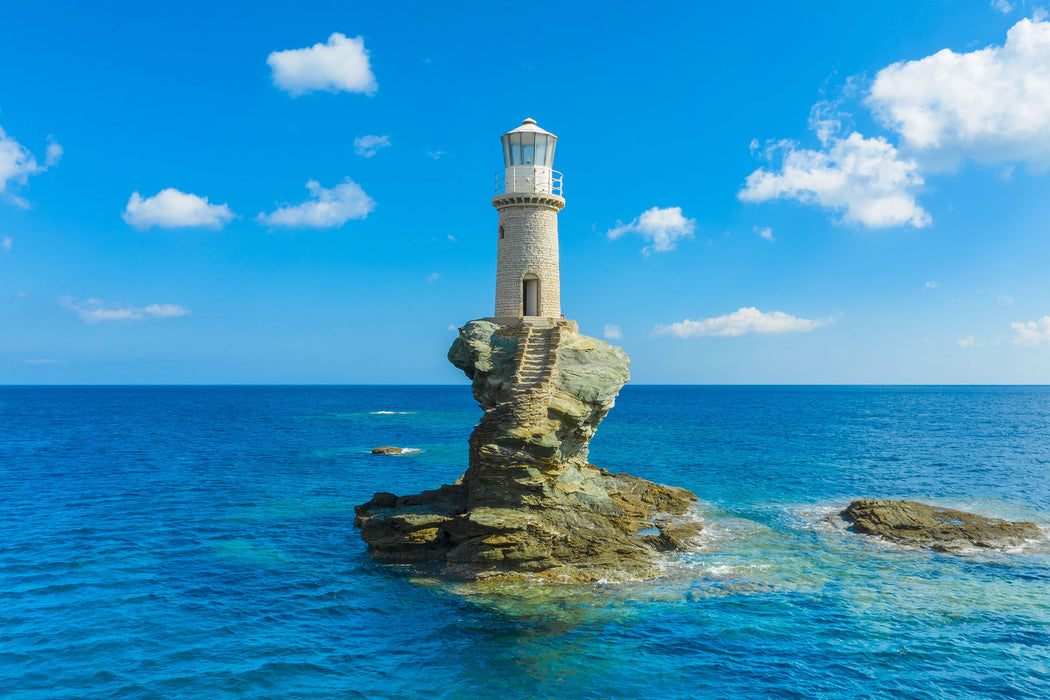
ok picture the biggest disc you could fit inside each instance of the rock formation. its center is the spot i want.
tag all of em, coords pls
(942, 529)
(530, 503)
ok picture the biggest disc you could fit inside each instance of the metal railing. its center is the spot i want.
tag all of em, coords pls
(539, 183)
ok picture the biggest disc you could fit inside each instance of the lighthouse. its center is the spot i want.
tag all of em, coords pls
(528, 199)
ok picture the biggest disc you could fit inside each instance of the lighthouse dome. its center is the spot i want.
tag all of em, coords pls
(529, 145)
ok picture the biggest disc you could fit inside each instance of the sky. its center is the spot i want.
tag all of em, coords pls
(760, 193)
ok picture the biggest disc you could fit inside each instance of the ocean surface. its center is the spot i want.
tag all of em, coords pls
(198, 542)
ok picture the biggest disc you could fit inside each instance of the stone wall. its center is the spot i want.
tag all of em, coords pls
(529, 246)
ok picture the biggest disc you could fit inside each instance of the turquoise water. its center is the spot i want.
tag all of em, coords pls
(198, 543)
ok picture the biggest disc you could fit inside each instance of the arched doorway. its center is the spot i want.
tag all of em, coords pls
(530, 295)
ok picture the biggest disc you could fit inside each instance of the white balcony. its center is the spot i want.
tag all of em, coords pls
(528, 180)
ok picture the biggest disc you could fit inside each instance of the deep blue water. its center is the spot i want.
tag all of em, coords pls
(187, 542)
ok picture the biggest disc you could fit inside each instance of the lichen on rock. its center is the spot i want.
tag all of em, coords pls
(530, 502)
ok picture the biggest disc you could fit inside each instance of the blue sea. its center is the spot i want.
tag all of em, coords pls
(197, 542)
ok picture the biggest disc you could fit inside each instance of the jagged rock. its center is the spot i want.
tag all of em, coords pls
(387, 450)
(530, 502)
(942, 529)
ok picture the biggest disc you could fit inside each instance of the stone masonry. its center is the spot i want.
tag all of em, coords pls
(528, 246)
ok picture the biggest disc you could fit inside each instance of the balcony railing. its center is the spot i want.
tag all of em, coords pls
(538, 183)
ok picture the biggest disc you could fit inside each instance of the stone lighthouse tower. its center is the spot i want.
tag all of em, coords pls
(528, 198)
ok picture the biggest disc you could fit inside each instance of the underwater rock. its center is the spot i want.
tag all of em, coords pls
(942, 529)
(530, 502)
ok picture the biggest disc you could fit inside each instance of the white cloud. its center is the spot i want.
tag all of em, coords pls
(611, 332)
(368, 146)
(991, 105)
(100, 311)
(171, 208)
(17, 164)
(436, 155)
(325, 208)
(43, 361)
(766, 233)
(452, 327)
(1032, 333)
(863, 178)
(340, 65)
(6, 242)
(932, 284)
(433, 277)
(967, 341)
(663, 228)
(54, 153)
(1003, 6)
(1006, 299)
(744, 321)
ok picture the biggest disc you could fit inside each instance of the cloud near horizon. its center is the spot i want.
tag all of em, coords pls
(94, 311)
(663, 228)
(17, 163)
(340, 65)
(1032, 333)
(745, 321)
(991, 105)
(171, 208)
(325, 208)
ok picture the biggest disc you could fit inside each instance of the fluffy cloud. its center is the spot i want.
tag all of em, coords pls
(99, 311)
(17, 164)
(992, 105)
(6, 242)
(325, 208)
(864, 179)
(663, 228)
(745, 321)
(967, 341)
(765, 233)
(173, 209)
(611, 332)
(1032, 333)
(368, 146)
(340, 65)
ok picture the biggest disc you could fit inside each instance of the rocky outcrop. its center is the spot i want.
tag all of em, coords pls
(530, 502)
(942, 529)
(388, 450)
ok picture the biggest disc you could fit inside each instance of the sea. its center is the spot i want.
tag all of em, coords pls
(198, 542)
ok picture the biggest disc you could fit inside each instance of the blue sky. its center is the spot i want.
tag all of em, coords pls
(268, 193)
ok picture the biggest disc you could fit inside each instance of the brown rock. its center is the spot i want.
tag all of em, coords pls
(942, 529)
(387, 450)
(530, 502)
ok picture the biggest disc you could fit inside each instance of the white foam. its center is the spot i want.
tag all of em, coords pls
(391, 413)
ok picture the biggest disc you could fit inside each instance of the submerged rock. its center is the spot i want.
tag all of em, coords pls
(942, 529)
(530, 502)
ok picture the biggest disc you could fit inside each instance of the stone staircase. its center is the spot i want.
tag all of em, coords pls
(536, 364)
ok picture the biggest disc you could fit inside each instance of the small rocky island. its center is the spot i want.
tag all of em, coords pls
(530, 503)
(941, 529)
